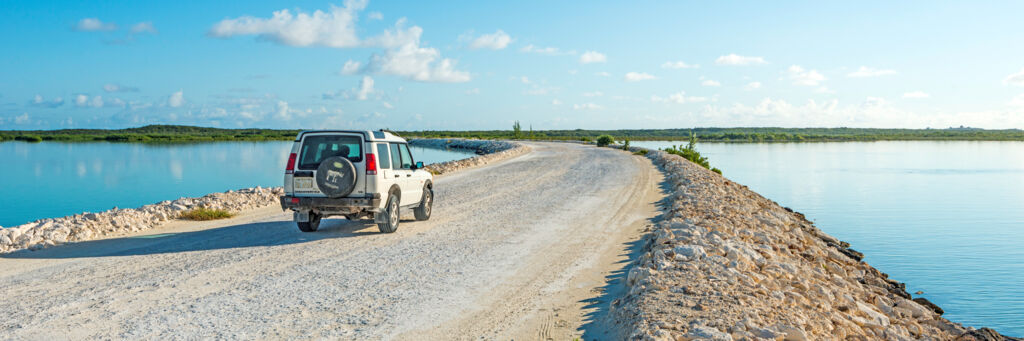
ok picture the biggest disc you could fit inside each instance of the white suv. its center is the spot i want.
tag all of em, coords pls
(356, 174)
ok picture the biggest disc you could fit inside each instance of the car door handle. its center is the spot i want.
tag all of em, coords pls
(396, 175)
(408, 175)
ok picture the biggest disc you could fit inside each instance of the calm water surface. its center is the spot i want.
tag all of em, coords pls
(947, 218)
(45, 180)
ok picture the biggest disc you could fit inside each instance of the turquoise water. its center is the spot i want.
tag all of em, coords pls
(49, 179)
(947, 218)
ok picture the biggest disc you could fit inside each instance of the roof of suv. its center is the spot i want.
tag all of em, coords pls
(369, 135)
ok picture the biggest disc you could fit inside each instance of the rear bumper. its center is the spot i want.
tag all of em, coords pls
(306, 203)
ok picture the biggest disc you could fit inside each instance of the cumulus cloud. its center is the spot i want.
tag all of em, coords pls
(494, 41)
(1015, 79)
(406, 58)
(177, 99)
(638, 76)
(800, 76)
(282, 111)
(143, 27)
(375, 16)
(586, 106)
(22, 119)
(710, 82)
(351, 67)
(111, 87)
(551, 51)
(334, 28)
(94, 25)
(752, 86)
(365, 88)
(678, 98)
(84, 101)
(734, 59)
(916, 94)
(38, 101)
(679, 65)
(593, 57)
(864, 72)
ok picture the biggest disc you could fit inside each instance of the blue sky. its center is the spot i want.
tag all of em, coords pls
(482, 65)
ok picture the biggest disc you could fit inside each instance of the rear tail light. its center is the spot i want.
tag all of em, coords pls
(371, 164)
(290, 168)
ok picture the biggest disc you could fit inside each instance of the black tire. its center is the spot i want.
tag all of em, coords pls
(391, 215)
(422, 211)
(336, 176)
(311, 225)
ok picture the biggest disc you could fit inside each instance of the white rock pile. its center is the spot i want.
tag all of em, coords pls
(725, 263)
(117, 221)
(489, 151)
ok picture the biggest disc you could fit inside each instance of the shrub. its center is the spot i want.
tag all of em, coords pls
(29, 138)
(604, 140)
(640, 152)
(625, 145)
(205, 214)
(690, 153)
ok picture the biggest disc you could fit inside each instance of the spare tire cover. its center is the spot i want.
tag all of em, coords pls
(336, 176)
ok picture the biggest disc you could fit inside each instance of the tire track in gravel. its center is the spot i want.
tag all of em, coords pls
(500, 227)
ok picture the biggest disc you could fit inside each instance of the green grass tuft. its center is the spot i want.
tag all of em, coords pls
(205, 214)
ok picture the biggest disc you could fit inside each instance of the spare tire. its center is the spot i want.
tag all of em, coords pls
(336, 176)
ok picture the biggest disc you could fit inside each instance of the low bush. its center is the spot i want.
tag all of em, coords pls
(640, 152)
(604, 140)
(205, 214)
(625, 145)
(29, 138)
(690, 153)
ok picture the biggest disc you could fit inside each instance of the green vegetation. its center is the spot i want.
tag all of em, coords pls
(604, 140)
(642, 152)
(172, 133)
(205, 214)
(625, 145)
(690, 153)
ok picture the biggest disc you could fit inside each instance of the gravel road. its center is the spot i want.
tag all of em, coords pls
(520, 249)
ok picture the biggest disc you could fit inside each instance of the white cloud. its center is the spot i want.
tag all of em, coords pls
(143, 27)
(752, 86)
(473, 91)
(603, 74)
(556, 102)
(351, 67)
(678, 65)
(94, 25)
(593, 57)
(586, 106)
(537, 90)
(176, 99)
(734, 59)
(335, 28)
(405, 57)
(1015, 79)
(282, 112)
(365, 88)
(375, 16)
(38, 101)
(593, 94)
(494, 41)
(387, 105)
(22, 119)
(865, 71)
(523, 79)
(638, 76)
(119, 88)
(916, 94)
(551, 51)
(824, 90)
(678, 98)
(709, 82)
(800, 76)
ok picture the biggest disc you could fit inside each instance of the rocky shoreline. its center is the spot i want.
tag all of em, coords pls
(487, 150)
(725, 263)
(117, 221)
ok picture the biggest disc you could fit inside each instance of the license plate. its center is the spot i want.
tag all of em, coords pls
(304, 183)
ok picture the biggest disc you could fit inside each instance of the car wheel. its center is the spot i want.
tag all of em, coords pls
(311, 225)
(391, 215)
(422, 211)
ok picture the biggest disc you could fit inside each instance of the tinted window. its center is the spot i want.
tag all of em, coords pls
(395, 159)
(406, 157)
(318, 148)
(383, 155)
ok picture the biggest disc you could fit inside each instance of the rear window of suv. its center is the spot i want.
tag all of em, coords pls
(317, 148)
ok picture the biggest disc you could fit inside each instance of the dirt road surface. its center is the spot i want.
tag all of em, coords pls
(527, 248)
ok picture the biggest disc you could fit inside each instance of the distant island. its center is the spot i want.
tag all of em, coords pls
(178, 133)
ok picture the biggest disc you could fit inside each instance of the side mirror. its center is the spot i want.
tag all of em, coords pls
(419, 165)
